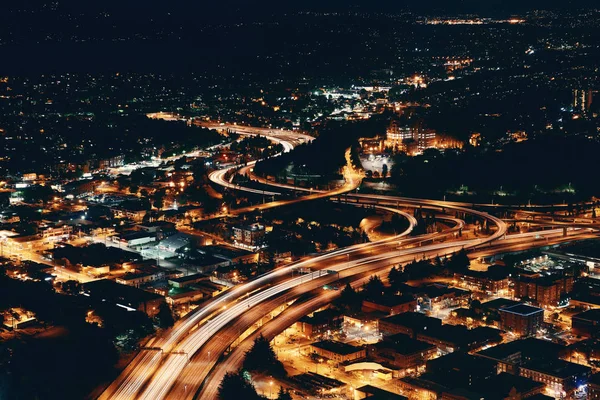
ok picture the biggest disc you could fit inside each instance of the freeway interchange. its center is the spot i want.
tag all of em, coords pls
(186, 362)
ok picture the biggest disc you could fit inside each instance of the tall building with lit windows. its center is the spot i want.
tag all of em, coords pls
(410, 139)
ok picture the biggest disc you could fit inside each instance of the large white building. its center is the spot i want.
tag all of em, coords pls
(400, 137)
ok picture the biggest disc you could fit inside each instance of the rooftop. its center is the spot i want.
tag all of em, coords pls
(226, 252)
(413, 320)
(115, 292)
(190, 278)
(522, 309)
(321, 317)
(423, 383)
(496, 304)
(337, 347)
(374, 393)
(391, 301)
(590, 315)
(403, 344)
(503, 383)
(528, 348)
(557, 368)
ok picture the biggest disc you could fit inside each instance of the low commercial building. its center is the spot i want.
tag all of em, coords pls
(50, 232)
(168, 247)
(111, 162)
(521, 319)
(451, 338)
(161, 229)
(494, 280)
(249, 235)
(127, 297)
(207, 263)
(594, 387)
(586, 323)
(145, 272)
(135, 212)
(365, 321)
(391, 305)
(461, 370)
(135, 239)
(402, 351)
(231, 254)
(183, 281)
(320, 323)
(421, 388)
(338, 351)
(375, 393)
(562, 377)
(513, 387)
(510, 356)
(410, 323)
(437, 297)
(174, 243)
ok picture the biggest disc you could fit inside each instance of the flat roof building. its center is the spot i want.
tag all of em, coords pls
(338, 351)
(127, 297)
(402, 351)
(586, 323)
(521, 319)
(409, 323)
(374, 393)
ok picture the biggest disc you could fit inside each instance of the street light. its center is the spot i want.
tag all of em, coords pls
(270, 388)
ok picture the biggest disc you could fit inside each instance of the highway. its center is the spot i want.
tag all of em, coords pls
(319, 299)
(177, 362)
(164, 376)
(164, 373)
(173, 367)
(133, 378)
(288, 139)
(352, 179)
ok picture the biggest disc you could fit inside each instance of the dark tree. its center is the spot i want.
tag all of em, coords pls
(235, 387)
(283, 394)
(459, 261)
(37, 193)
(350, 299)
(374, 287)
(71, 287)
(262, 358)
(396, 277)
(164, 317)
